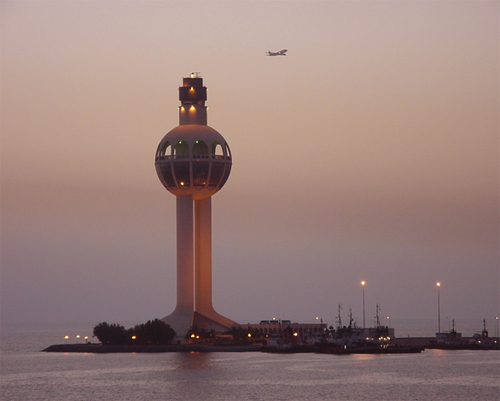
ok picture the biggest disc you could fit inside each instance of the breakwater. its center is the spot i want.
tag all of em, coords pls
(423, 342)
(106, 349)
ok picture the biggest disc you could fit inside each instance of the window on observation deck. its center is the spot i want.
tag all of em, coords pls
(217, 151)
(200, 173)
(216, 173)
(167, 175)
(181, 150)
(228, 151)
(200, 150)
(164, 150)
(181, 170)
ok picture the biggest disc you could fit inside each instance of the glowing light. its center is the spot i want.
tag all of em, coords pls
(134, 337)
(192, 108)
(363, 282)
(193, 336)
(66, 337)
(182, 108)
(295, 334)
(249, 335)
(182, 183)
(191, 89)
(438, 284)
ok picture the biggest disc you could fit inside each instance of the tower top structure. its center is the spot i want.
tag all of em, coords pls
(193, 96)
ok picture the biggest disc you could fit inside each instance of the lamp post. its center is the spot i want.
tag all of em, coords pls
(320, 323)
(438, 284)
(363, 286)
(496, 326)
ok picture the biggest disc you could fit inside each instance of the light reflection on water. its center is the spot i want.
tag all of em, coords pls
(432, 375)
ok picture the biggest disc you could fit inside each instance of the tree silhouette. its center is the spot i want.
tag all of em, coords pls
(154, 332)
(108, 334)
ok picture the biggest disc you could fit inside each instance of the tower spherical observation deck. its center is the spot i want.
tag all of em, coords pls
(193, 160)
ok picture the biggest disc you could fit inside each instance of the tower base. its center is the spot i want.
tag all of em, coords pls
(182, 322)
(219, 323)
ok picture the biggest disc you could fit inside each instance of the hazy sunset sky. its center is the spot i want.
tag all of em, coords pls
(370, 152)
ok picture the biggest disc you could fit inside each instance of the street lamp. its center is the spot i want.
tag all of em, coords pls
(320, 323)
(363, 285)
(439, 307)
(388, 322)
(496, 326)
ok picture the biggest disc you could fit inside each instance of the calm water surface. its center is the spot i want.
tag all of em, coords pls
(431, 375)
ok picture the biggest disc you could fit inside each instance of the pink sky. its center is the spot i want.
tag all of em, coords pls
(370, 152)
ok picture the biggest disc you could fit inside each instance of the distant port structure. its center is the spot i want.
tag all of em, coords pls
(193, 162)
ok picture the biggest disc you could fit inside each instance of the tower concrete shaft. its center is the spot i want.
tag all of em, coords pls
(203, 264)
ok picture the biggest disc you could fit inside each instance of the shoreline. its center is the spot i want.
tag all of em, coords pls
(423, 342)
(109, 349)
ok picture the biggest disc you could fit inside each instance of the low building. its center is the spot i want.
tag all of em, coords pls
(301, 331)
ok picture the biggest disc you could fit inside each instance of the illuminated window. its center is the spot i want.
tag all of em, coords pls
(181, 170)
(181, 149)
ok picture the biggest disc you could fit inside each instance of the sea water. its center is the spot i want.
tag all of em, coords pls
(28, 374)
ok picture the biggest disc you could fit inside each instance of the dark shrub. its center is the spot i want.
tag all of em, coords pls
(111, 334)
(154, 332)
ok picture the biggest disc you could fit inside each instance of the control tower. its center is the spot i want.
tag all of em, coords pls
(193, 162)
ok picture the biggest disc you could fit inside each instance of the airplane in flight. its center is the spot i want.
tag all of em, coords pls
(280, 53)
